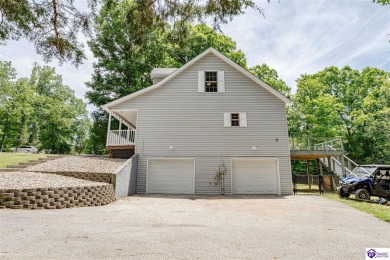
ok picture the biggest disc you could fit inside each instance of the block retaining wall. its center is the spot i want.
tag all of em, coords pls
(57, 198)
(89, 176)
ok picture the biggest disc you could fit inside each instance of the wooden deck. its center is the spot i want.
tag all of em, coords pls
(312, 155)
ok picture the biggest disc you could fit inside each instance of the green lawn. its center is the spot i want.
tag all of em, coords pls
(314, 187)
(15, 158)
(380, 211)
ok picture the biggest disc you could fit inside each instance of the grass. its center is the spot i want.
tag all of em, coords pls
(15, 158)
(380, 211)
(314, 187)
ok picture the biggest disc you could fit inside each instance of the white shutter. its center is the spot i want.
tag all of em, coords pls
(243, 121)
(221, 81)
(201, 83)
(227, 122)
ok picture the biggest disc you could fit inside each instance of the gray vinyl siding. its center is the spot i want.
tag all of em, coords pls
(193, 123)
(157, 79)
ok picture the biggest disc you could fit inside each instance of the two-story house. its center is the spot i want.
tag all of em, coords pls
(208, 117)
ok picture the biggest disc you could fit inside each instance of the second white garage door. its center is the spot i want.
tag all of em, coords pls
(255, 176)
(175, 176)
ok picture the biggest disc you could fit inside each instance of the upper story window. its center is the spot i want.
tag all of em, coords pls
(211, 81)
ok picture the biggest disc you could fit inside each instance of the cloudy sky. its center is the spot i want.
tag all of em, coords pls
(295, 37)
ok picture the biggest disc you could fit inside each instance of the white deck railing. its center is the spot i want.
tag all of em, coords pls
(121, 137)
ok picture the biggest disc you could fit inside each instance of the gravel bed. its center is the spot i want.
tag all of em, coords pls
(30, 180)
(79, 164)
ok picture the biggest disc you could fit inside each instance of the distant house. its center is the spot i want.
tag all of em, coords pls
(207, 117)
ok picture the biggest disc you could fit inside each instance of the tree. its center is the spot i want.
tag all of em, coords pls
(382, 2)
(59, 113)
(53, 26)
(374, 118)
(198, 39)
(333, 102)
(271, 77)
(39, 110)
(15, 97)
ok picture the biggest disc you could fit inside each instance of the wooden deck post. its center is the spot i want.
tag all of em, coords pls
(329, 165)
(308, 174)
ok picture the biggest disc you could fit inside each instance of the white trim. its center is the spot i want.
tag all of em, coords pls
(201, 82)
(243, 119)
(168, 158)
(221, 81)
(227, 119)
(107, 106)
(256, 159)
(136, 133)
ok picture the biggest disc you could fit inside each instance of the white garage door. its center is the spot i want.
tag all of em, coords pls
(255, 176)
(174, 176)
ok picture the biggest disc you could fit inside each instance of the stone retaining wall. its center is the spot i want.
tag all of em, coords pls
(57, 198)
(90, 176)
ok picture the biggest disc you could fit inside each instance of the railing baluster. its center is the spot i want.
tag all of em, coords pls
(121, 137)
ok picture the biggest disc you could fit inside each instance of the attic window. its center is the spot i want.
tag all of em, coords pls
(211, 81)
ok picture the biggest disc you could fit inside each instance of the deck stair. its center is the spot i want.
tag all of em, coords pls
(338, 162)
(328, 150)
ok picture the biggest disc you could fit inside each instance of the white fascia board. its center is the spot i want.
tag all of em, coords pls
(107, 106)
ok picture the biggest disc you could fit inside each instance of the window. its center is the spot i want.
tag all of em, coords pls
(211, 81)
(235, 119)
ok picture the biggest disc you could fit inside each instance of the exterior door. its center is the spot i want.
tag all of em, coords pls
(174, 176)
(255, 176)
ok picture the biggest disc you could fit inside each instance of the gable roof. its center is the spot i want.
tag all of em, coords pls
(185, 66)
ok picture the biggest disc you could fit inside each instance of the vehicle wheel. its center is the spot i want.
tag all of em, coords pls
(362, 194)
(342, 193)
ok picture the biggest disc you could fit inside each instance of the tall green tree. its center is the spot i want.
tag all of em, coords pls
(39, 110)
(57, 109)
(332, 103)
(15, 111)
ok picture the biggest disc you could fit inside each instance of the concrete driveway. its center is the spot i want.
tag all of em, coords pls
(152, 227)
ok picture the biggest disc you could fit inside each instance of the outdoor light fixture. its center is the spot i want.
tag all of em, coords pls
(254, 148)
(171, 147)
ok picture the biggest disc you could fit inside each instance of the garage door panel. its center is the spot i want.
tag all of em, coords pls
(175, 176)
(251, 176)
